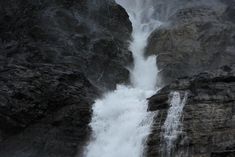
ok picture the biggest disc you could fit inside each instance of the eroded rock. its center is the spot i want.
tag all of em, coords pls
(207, 118)
(56, 57)
(194, 39)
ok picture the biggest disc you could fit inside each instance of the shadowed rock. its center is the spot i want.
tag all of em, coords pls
(56, 57)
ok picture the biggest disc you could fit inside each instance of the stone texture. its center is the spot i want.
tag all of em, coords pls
(44, 110)
(56, 57)
(194, 38)
(208, 117)
(90, 36)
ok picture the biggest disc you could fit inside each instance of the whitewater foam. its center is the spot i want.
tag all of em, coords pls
(120, 121)
(172, 126)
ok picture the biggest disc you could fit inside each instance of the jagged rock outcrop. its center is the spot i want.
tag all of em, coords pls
(90, 36)
(208, 117)
(194, 38)
(56, 57)
(44, 110)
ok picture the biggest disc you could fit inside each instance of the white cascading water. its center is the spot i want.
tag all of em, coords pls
(120, 121)
(172, 126)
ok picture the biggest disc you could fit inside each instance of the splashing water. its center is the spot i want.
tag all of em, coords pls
(172, 126)
(120, 121)
(144, 74)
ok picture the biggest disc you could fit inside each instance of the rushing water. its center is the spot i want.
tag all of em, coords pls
(172, 126)
(120, 121)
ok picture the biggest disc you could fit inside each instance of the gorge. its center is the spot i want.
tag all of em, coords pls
(124, 78)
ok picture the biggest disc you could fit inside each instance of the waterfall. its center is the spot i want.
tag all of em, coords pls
(120, 121)
(172, 126)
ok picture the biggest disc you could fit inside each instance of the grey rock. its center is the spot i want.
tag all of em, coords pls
(42, 104)
(207, 118)
(194, 39)
(56, 57)
(79, 34)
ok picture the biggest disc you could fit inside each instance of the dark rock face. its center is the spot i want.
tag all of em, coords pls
(90, 36)
(44, 110)
(56, 56)
(208, 117)
(194, 38)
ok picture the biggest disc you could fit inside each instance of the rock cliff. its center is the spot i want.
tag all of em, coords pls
(194, 38)
(208, 117)
(56, 57)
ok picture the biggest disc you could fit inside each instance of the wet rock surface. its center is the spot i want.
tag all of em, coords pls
(44, 110)
(208, 117)
(56, 57)
(194, 38)
(90, 36)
